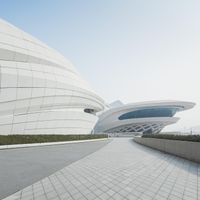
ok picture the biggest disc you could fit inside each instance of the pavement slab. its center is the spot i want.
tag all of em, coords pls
(24, 166)
(122, 169)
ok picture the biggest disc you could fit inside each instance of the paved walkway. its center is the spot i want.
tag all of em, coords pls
(24, 166)
(120, 170)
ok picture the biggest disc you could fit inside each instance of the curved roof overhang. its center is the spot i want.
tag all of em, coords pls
(180, 105)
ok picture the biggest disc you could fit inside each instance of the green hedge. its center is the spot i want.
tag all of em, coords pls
(26, 139)
(193, 138)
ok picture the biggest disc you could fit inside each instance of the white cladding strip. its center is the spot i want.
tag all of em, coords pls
(41, 92)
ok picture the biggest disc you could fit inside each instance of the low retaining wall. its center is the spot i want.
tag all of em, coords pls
(184, 149)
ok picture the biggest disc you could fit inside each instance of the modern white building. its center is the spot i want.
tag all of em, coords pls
(144, 117)
(40, 91)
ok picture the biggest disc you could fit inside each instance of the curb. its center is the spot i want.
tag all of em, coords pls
(17, 146)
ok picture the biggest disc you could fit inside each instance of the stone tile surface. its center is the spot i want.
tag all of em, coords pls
(24, 166)
(120, 170)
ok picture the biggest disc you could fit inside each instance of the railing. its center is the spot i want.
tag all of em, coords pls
(124, 134)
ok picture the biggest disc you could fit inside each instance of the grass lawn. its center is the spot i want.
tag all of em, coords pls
(27, 139)
(192, 138)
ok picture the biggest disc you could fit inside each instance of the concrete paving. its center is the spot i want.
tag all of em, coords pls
(22, 167)
(120, 170)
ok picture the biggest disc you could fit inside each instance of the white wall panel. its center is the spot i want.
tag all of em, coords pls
(40, 91)
(6, 129)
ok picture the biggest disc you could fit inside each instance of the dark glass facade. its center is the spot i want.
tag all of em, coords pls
(149, 112)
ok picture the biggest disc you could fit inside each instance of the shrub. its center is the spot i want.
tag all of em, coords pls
(193, 138)
(26, 139)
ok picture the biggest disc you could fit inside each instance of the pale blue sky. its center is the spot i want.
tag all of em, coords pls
(133, 50)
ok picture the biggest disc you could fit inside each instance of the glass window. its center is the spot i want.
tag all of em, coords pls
(149, 112)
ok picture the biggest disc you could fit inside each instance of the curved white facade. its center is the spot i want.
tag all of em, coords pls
(145, 117)
(40, 91)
